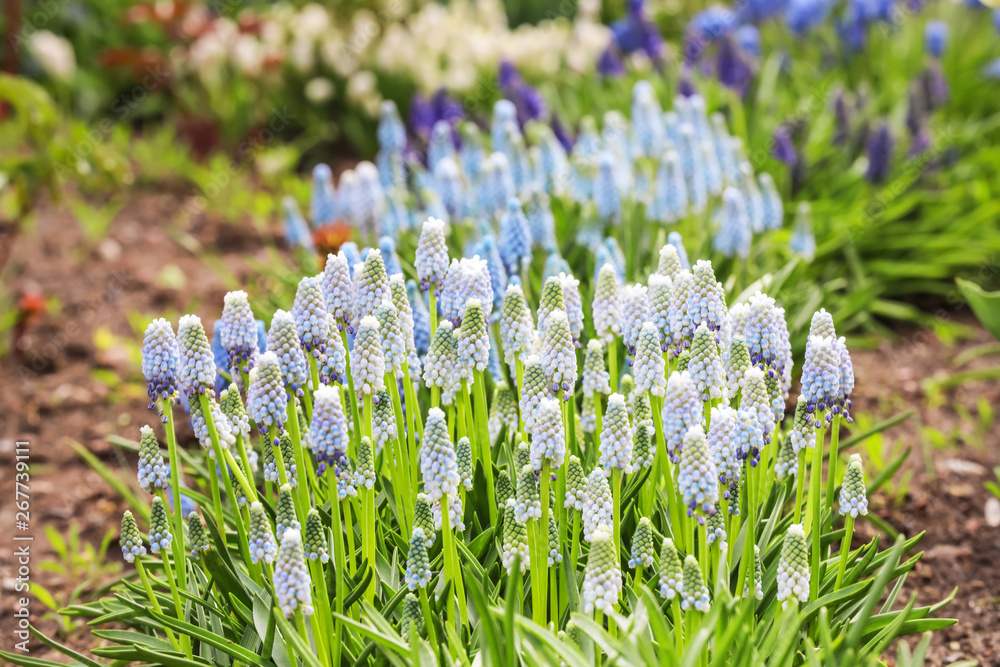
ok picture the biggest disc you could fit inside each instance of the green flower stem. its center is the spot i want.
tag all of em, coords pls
(331, 652)
(616, 495)
(153, 601)
(300, 624)
(241, 450)
(432, 298)
(178, 606)
(412, 423)
(451, 563)
(816, 506)
(749, 539)
(554, 596)
(703, 550)
(339, 590)
(831, 472)
(675, 608)
(543, 534)
(351, 555)
(537, 605)
(613, 364)
(598, 416)
(800, 483)
(768, 455)
(518, 377)
(175, 488)
(213, 480)
(574, 553)
(845, 551)
(406, 481)
(435, 397)
(314, 375)
(279, 463)
(368, 536)
(599, 620)
(356, 433)
(425, 606)
(486, 451)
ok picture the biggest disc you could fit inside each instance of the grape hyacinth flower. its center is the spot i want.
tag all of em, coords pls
(706, 304)
(441, 363)
(821, 375)
(391, 335)
(550, 301)
(487, 249)
(733, 235)
(670, 197)
(846, 378)
(616, 437)
(423, 517)
(548, 439)
(160, 361)
(529, 504)
(636, 311)
(473, 342)
(723, 441)
(130, 538)
(536, 387)
(705, 366)
(516, 327)
(418, 567)
(421, 317)
(671, 571)
(309, 311)
(602, 579)
(642, 545)
(681, 326)
(364, 474)
(756, 400)
(693, 168)
(238, 332)
(514, 539)
(503, 412)
(559, 356)
(266, 396)
(515, 238)
(314, 543)
(367, 359)
(466, 279)
(438, 462)
(596, 379)
(262, 544)
(642, 451)
(397, 290)
(669, 264)
(196, 535)
(554, 555)
(774, 211)
(284, 512)
(607, 197)
(698, 478)
(154, 472)
(607, 304)
(199, 425)
(682, 410)
(504, 487)
(159, 527)
(196, 368)
(787, 462)
(463, 455)
(576, 483)
(371, 285)
(598, 504)
(283, 340)
(803, 242)
(649, 366)
(339, 290)
(384, 428)
(431, 256)
(935, 38)
(793, 567)
(880, 148)
(854, 493)
(739, 364)
(715, 529)
(330, 435)
(694, 593)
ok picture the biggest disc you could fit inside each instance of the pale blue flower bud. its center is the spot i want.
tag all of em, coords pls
(616, 437)
(367, 359)
(598, 504)
(793, 567)
(602, 578)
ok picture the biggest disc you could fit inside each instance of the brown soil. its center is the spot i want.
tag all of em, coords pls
(52, 395)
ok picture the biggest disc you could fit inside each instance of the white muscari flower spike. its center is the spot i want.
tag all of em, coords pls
(266, 397)
(602, 578)
(418, 568)
(733, 236)
(636, 312)
(534, 390)
(130, 538)
(283, 340)
(642, 451)
(517, 331)
(674, 239)
(596, 379)
(706, 304)
(384, 428)
(821, 376)
(574, 304)
(431, 258)
(787, 462)
(364, 474)
(607, 196)
(649, 369)
(284, 512)
(550, 301)
(671, 571)
(330, 435)
(160, 361)
(231, 404)
(371, 285)
(514, 540)
(367, 359)
(559, 356)
(503, 412)
(698, 478)
(159, 527)
(846, 378)
(466, 279)
(262, 544)
(642, 545)
(758, 574)
(750, 436)
(529, 504)
(692, 165)
(154, 472)
(715, 530)
(681, 325)
(576, 484)
(196, 369)
(339, 290)
(224, 430)
(682, 409)
(854, 494)
(724, 443)
(598, 503)
(660, 292)
(473, 341)
(514, 238)
(670, 262)
(738, 364)
(706, 367)
(793, 567)
(391, 333)
(803, 241)
(463, 454)
(757, 399)
(309, 311)
(438, 462)
(554, 555)
(616, 437)
(548, 438)
(397, 288)
(694, 594)
(670, 195)
(238, 331)
(607, 304)
(441, 363)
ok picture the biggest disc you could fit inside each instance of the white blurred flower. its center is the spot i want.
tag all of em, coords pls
(319, 90)
(54, 54)
(362, 91)
(248, 55)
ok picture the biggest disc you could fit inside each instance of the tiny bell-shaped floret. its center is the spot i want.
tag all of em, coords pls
(598, 503)
(607, 304)
(793, 567)
(292, 587)
(160, 360)
(854, 494)
(154, 472)
(616, 437)
(314, 544)
(671, 571)
(367, 359)
(130, 538)
(642, 545)
(262, 544)
(698, 479)
(339, 290)
(196, 370)
(384, 428)
(695, 593)
(602, 578)
(514, 540)
(160, 536)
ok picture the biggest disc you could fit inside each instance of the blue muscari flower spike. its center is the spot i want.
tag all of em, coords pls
(682, 410)
(196, 373)
(553, 161)
(261, 539)
(504, 113)
(803, 243)
(558, 355)
(441, 145)
(853, 493)
(283, 340)
(693, 167)
(607, 197)
(391, 335)
(669, 264)
(681, 325)
(520, 164)
(756, 399)
(733, 235)
(471, 153)
(333, 361)
(309, 311)
(515, 238)
(642, 545)
(660, 289)
(648, 367)
(647, 129)
(297, 234)
(438, 461)
(616, 437)
(698, 478)
(602, 577)
(598, 503)
(372, 284)
(540, 220)
(266, 398)
(448, 183)
(391, 131)
(487, 249)
(352, 254)
(367, 359)
(339, 290)
(782, 147)
(371, 198)
(497, 186)
(548, 439)
(323, 203)
(802, 16)
(466, 279)
(616, 256)
(238, 331)
(292, 585)
(418, 568)
(714, 181)
(936, 38)
(160, 361)
(574, 304)
(421, 317)
(774, 210)
(397, 288)
(160, 536)
(752, 196)
(793, 567)
(636, 311)
(154, 472)
(880, 148)
(821, 375)
(674, 239)
(431, 258)
(724, 443)
(389, 257)
(330, 435)
(607, 304)
(131, 539)
(517, 330)
(284, 512)
(706, 367)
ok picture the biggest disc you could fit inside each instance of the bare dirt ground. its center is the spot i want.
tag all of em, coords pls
(51, 394)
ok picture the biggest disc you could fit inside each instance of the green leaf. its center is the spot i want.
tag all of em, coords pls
(210, 638)
(986, 305)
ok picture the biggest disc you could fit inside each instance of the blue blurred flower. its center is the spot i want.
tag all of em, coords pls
(936, 38)
(636, 32)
